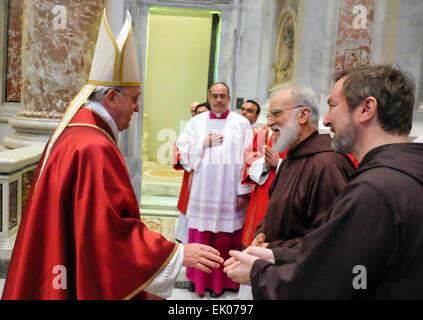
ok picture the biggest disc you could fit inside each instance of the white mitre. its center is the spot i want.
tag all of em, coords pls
(114, 64)
(124, 69)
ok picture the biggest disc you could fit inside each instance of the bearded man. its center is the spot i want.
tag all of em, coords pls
(371, 247)
(308, 179)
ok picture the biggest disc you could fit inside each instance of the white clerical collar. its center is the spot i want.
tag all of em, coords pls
(101, 110)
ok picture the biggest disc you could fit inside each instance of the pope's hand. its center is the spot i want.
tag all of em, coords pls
(202, 257)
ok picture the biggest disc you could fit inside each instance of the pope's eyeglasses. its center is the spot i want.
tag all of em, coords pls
(134, 99)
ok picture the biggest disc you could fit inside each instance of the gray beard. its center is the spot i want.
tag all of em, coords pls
(287, 135)
(344, 142)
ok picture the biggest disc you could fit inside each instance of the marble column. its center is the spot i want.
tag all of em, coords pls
(58, 40)
(10, 34)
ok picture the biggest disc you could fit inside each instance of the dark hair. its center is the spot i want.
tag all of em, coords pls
(204, 104)
(255, 103)
(208, 91)
(392, 88)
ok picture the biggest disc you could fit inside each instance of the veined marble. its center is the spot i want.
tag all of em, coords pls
(14, 43)
(58, 43)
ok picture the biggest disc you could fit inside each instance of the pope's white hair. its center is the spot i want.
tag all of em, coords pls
(99, 93)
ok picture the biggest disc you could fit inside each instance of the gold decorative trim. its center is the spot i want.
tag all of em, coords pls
(147, 283)
(111, 84)
(109, 32)
(122, 55)
(129, 84)
(91, 126)
(74, 106)
(93, 111)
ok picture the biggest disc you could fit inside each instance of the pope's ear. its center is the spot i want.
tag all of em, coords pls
(110, 96)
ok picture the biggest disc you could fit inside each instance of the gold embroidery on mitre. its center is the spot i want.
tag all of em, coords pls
(102, 71)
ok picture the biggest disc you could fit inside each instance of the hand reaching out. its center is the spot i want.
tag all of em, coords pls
(202, 257)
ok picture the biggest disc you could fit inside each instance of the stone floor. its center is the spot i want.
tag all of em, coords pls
(183, 294)
(178, 293)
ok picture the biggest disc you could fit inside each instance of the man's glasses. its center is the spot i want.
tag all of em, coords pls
(134, 99)
(274, 113)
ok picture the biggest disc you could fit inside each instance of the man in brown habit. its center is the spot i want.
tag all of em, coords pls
(372, 244)
(308, 179)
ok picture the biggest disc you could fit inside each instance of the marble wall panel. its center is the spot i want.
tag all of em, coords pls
(57, 48)
(355, 28)
(14, 43)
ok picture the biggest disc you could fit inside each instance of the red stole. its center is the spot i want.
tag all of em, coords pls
(186, 181)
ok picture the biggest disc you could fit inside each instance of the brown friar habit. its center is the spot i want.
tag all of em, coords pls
(305, 186)
(372, 244)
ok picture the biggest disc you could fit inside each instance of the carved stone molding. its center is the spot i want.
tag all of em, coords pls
(282, 67)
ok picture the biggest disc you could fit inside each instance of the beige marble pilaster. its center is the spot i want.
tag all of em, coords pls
(58, 41)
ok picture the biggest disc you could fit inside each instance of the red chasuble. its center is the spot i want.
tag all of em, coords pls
(260, 196)
(81, 236)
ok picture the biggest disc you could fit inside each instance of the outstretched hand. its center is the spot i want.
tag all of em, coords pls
(201, 256)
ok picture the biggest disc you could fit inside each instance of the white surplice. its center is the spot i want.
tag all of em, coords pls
(217, 171)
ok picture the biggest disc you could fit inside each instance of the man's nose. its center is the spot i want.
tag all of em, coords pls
(326, 121)
(270, 121)
(137, 107)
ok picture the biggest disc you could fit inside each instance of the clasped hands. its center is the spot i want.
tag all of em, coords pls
(238, 267)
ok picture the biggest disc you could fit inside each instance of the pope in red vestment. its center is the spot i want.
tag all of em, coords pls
(81, 236)
(259, 198)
